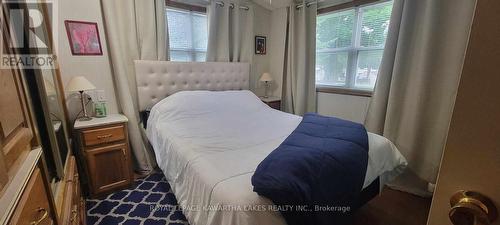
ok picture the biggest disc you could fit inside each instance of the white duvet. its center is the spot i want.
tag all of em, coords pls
(208, 145)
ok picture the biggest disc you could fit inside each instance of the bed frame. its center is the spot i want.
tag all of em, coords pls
(159, 79)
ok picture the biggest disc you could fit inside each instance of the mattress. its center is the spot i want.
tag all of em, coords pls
(208, 144)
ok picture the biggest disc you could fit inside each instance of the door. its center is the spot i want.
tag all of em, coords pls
(108, 168)
(471, 159)
(17, 134)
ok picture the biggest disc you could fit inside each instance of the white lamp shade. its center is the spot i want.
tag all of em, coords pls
(79, 83)
(266, 77)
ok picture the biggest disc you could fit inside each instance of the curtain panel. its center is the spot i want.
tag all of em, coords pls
(230, 31)
(418, 79)
(135, 29)
(299, 93)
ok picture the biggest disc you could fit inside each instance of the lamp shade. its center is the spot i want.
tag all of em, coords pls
(79, 83)
(266, 77)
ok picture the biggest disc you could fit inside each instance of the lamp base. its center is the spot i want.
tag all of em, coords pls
(84, 118)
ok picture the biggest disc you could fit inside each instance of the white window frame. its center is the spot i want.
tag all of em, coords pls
(353, 53)
(191, 51)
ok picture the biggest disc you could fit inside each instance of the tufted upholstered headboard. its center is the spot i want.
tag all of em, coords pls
(159, 79)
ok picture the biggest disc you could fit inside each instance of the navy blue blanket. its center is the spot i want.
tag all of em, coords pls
(316, 175)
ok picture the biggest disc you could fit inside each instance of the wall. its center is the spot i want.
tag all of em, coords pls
(260, 63)
(96, 69)
(271, 24)
(347, 107)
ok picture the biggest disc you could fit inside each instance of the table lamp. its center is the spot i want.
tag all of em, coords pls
(80, 84)
(267, 79)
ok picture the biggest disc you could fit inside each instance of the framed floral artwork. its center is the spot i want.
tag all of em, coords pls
(83, 37)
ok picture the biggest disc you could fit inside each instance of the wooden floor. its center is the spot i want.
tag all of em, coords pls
(394, 208)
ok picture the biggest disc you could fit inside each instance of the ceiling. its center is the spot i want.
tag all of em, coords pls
(273, 4)
(268, 4)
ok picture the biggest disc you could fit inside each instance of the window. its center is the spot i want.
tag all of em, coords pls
(349, 46)
(187, 32)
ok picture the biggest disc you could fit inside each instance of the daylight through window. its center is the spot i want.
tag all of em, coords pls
(187, 32)
(349, 46)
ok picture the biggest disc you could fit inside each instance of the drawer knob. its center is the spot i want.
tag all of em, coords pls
(45, 214)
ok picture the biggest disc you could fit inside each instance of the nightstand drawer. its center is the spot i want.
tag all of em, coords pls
(103, 135)
(275, 105)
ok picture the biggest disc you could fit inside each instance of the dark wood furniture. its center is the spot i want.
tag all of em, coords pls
(73, 206)
(272, 101)
(104, 153)
(35, 205)
(35, 183)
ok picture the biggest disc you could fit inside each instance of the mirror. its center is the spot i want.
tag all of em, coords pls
(56, 120)
(47, 89)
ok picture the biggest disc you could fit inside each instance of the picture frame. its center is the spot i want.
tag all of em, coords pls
(83, 37)
(260, 45)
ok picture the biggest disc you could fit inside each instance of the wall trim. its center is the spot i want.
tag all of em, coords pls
(343, 91)
(180, 5)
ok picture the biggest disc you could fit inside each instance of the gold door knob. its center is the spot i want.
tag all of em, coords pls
(471, 208)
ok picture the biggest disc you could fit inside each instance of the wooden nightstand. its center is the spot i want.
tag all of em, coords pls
(272, 101)
(104, 153)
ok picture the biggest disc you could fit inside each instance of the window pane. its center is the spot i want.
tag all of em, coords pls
(179, 29)
(367, 69)
(375, 24)
(331, 68)
(187, 35)
(200, 38)
(334, 30)
(180, 56)
(200, 56)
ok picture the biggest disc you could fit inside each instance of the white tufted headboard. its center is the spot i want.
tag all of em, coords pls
(159, 79)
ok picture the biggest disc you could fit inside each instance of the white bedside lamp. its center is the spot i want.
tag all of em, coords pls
(267, 79)
(80, 84)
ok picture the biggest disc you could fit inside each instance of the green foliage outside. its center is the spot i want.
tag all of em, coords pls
(335, 30)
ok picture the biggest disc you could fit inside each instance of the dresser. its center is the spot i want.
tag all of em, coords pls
(73, 203)
(104, 154)
(28, 198)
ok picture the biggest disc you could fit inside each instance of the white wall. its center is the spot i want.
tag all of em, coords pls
(271, 24)
(347, 107)
(96, 69)
(260, 63)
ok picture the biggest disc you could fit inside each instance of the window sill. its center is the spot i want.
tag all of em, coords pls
(343, 91)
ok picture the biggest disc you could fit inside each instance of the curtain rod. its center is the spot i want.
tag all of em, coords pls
(231, 5)
(307, 4)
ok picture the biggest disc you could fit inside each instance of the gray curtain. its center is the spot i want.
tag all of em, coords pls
(418, 79)
(230, 31)
(135, 29)
(299, 93)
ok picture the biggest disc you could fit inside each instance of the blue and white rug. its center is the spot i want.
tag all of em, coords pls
(148, 202)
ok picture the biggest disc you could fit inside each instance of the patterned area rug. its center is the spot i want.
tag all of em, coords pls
(148, 202)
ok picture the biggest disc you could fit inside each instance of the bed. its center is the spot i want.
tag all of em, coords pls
(209, 134)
